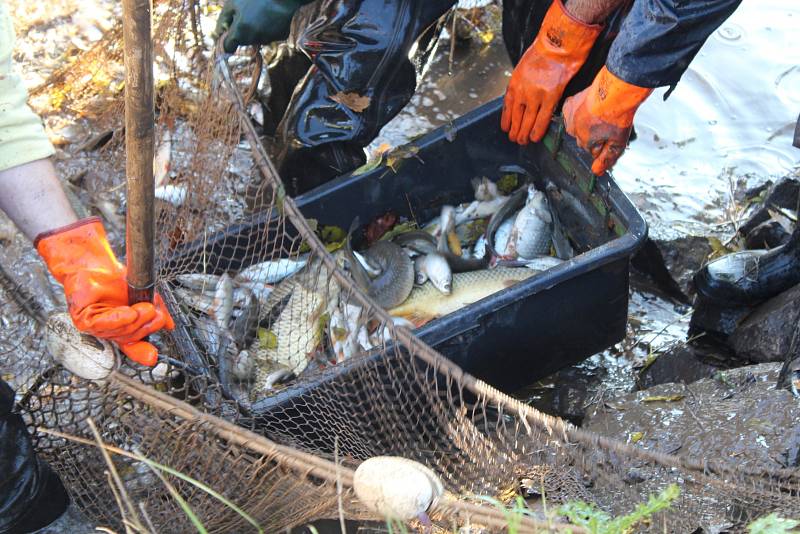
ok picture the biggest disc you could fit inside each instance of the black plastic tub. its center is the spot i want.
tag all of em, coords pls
(514, 337)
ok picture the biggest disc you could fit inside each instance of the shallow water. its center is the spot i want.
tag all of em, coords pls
(732, 115)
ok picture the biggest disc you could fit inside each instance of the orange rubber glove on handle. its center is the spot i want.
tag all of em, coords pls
(80, 258)
(601, 117)
(538, 81)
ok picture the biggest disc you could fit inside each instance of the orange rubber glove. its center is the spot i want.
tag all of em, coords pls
(538, 81)
(601, 117)
(80, 258)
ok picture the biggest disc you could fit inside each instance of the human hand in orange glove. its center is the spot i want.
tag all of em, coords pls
(80, 258)
(601, 117)
(538, 81)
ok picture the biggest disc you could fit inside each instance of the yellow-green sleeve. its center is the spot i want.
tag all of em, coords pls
(22, 136)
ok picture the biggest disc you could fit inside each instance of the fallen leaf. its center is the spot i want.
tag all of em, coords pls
(380, 225)
(373, 163)
(267, 338)
(663, 398)
(398, 229)
(397, 155)
(354, 101)
(636, 437)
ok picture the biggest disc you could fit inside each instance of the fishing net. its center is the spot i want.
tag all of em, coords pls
(287, 456)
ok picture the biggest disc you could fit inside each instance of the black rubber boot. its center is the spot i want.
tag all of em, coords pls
(750, 276)
(359, 47)
(31, 494)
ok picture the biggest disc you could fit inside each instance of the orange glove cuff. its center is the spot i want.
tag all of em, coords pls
(564, 38)
(614, 101)
(80, 245)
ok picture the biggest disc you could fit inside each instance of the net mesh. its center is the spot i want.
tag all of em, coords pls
(286, 455)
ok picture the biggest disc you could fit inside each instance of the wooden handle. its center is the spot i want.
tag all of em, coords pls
(139, 118)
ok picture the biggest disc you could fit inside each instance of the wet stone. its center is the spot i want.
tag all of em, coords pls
(766, 334)
(737, 415)
(683, 364)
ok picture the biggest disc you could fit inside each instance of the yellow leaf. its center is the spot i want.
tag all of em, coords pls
(636, 437)
(354, 101)
(663, 398)
(486, 37)
(267, 338)
(454, 243)
(383, 148)
(399, 154)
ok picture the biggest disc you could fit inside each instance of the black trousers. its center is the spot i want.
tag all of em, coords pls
(31, 494)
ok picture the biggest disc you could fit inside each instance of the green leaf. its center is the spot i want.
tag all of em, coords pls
(772, 524)
(267, 338)
(507, 183)
(372, 164)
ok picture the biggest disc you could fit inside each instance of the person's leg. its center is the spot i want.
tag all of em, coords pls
(31, 494)
(358, 47)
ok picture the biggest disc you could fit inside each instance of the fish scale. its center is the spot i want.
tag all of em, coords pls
(426, 303)
(297, 329)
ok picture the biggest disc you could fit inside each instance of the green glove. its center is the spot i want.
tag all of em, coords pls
(255, 22)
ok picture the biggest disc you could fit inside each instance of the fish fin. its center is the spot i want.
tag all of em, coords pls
(417, 318)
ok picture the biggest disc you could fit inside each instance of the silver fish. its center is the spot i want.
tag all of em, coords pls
(198, 281)
(201, 302)
(479, 209)
(434, 267)
(424, 243)
(245, 319)
(242, 366)
(396, 280)
(501, 237)
(499, 218)
(485, 189)
(272, 272)
(260, 290)
(420, 273)
(372, 270)
(222, 306)
(479, 249)
(277, 377)
(532, 232)
(542, 263)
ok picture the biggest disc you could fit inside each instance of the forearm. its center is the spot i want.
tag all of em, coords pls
(31, 196)
(592, 11)
(660, 38)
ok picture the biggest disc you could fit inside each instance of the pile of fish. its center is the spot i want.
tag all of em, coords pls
(275, 320)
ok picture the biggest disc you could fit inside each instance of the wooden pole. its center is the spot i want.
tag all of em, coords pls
(139, 118)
